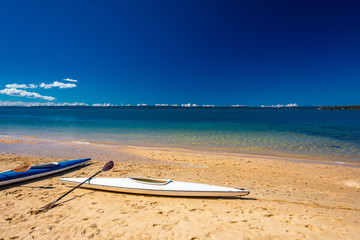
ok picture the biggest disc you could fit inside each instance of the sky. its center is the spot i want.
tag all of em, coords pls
(204, 52)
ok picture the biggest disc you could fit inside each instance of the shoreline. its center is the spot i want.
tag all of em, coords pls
(287, 199)
(4, 139)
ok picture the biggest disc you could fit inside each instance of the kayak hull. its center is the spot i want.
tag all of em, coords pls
(164, 188)
(36, 171)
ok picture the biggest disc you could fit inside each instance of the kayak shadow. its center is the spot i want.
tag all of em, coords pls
(39, 187)
(9, 186)
(163, 196)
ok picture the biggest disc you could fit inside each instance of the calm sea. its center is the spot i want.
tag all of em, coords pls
(305, 132)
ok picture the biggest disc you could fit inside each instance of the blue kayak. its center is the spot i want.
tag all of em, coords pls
(40, 170)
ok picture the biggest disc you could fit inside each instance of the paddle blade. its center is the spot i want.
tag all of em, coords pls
(108, 166)
(23, 167)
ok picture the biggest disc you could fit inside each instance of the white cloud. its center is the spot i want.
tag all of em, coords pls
(57, 84)
(15, 85)
(189, 105)
(70, 80)
(291, 105)
(102, 105)
(166, 105)
(22, 93)
(17, 90)
(280, 105)
(38, 104)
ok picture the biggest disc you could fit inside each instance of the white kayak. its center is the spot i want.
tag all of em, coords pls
(157, 187)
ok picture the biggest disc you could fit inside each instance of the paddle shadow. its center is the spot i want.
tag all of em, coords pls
(60, 203)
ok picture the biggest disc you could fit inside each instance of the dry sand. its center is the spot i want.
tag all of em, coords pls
(288, 200)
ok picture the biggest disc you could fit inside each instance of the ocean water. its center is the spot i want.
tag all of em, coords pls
(295, 132)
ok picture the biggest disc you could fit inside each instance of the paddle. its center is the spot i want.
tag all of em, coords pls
(106, 167)
(22, 167)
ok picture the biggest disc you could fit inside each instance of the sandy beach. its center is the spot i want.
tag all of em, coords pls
(261, 96)
(288, 200)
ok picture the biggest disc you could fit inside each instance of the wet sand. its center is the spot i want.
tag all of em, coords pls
(288, 200)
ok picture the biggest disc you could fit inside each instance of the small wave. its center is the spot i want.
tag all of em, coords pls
(82, 142)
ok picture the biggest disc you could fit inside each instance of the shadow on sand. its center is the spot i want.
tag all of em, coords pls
(160, 196)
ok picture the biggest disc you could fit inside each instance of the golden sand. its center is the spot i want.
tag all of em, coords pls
(288, 200)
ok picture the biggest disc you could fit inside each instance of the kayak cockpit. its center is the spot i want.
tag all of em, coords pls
(151, 181)
(45, 165)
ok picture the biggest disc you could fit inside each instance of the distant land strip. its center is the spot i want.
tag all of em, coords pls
(350, 107)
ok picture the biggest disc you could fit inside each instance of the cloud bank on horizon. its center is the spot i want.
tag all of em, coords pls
(22, 90)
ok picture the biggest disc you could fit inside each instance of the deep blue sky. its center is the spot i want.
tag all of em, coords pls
(204, 52)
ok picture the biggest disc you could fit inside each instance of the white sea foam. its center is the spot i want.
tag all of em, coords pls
(352, 183)
(82, 142)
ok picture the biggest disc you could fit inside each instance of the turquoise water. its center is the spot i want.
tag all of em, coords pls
(306, 132)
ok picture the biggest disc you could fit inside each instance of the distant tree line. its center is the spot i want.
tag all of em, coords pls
(350, 107)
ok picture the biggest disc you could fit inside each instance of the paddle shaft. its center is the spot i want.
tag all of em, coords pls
(77, 186)
(109, 165)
